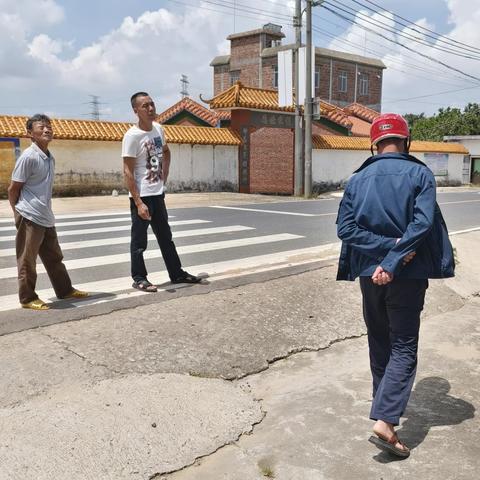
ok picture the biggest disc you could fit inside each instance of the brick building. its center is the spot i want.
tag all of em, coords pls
(340, 78)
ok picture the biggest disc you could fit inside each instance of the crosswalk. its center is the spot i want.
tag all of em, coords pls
(96, 250)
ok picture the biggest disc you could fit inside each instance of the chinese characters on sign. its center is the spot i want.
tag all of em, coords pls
(275, 120)
(244, 156)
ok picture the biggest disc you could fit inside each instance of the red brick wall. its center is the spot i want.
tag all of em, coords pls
(374, 86)
(271, 161)
(221, 78)
(245, 56)
(268, 72)
(322, 130)
(324, 90)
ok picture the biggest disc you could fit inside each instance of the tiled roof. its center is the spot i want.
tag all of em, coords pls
(360, 128)
(334, 142)
(361, 111)
(240, 96)
(191, 106)
(201, 135)
(11, 126)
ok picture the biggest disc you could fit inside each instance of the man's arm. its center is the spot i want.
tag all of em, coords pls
(417, 229)
(165, 163)
(362, 240)
(14, 190)
(128, 175)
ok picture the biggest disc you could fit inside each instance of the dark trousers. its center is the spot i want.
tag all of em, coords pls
(33, 240)
(163, 234)
(392, 316)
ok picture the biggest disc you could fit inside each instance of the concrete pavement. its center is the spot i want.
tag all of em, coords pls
(265, 380)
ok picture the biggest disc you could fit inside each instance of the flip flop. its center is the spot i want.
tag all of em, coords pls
(36, 304)
(389, 445)
(145, 286)
(187, 278)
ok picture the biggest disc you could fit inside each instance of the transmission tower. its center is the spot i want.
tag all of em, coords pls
(184, 81)
(95, 104)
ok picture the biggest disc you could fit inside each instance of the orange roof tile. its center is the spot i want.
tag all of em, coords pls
(362, 112)
(334, 142)
(191, 106)
(240, 96)
(360, 128)
(14, 126)
(335, 114)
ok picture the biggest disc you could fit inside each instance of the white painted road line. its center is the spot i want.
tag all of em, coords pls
(218, 270)
(459, 201)
(90, 231)
(88, 262)
(6, 252)
(80, 215)
(458, 232)
(276, 211)
(80, 222)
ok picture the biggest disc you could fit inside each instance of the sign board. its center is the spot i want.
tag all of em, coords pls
(285, 78)
(272, 119)
(302, 88)
(437, 163)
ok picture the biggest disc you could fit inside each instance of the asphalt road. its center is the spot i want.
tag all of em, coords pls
(220, 242)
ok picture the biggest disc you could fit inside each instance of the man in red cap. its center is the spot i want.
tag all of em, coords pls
(394, 239)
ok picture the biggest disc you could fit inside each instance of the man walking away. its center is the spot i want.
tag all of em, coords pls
(146, 163)
(30, 196)
(394, 238)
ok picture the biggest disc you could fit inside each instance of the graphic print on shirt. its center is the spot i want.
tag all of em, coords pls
(154, 148)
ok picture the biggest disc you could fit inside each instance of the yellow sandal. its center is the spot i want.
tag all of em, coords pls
(36, 304)
(77, 294)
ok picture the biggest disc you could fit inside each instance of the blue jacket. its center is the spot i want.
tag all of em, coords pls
(393, 196)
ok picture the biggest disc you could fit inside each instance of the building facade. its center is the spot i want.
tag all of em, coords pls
(340, 78)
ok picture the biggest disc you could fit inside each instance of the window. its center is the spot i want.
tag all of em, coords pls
(342, 81)
(234, 76)
(363, 84)
(317, 77)
(275, 76)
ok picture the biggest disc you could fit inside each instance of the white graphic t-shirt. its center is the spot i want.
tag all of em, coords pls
(147, 148)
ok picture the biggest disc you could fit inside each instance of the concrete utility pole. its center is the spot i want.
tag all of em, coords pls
(298, 170)
(308, 104)
(309, 99)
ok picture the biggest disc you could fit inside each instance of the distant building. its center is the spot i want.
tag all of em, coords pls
(340, 78)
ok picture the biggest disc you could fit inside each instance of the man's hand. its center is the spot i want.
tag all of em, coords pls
(381, 276)
(408, 257)
(143, 211)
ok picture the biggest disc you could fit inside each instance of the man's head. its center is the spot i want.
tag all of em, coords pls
(39, 129)
(390, 132)
(143, 106)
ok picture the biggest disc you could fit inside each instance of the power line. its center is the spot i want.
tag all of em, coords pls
(365, 18)
(419, 26)
(401, 44)
(430, 95)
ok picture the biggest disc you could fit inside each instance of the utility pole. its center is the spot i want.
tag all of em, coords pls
(309, 99)
(308, 104)
(298, 170)
(95, 112)
(184, 81)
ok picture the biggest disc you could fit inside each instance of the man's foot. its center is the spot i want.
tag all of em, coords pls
(36, 304)
(77, 294)
(187, 278)
(145, 286)
(386, 439)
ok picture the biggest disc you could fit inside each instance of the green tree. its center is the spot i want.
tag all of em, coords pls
(448, 121)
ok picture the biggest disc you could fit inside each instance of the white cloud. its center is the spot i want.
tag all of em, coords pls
(32, 14)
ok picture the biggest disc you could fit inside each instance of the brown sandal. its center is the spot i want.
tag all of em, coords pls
(390, 445)
(145, 286)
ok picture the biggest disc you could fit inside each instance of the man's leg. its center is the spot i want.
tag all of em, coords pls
(52, 258)
(138, 242)
(27, 244)
(404, 300)
(162, 232)
(378, 329)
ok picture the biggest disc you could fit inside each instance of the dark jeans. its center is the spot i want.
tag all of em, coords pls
(161, 229)
(392, 316)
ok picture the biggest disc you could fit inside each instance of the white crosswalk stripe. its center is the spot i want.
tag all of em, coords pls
(79, 215)
(216, 271)
(122, 228)
(99, 242)
(125, 257)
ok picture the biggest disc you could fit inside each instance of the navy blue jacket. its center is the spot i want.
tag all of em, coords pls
(393, 196)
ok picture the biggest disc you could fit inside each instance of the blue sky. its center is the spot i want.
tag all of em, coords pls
(55, 53)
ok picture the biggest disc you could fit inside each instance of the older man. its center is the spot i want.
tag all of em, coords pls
(393, 238)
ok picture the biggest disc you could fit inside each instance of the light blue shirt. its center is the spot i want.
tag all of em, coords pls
(36, 170)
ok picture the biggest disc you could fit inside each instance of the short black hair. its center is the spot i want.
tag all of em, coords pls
(38, 117)
(134, 97)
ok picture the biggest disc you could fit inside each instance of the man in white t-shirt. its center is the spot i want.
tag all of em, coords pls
(146, 162)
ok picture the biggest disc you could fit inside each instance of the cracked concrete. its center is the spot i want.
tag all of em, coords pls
(293, 346)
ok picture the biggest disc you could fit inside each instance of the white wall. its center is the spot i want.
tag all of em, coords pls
(332, 168)
(96, 166)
